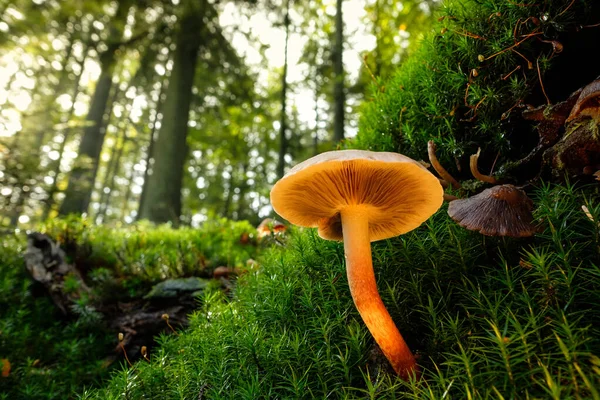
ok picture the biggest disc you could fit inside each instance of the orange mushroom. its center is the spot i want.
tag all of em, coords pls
(360, 197)
(270, 226)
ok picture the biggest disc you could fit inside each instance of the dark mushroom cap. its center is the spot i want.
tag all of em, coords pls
(502, 210)
(398, 192)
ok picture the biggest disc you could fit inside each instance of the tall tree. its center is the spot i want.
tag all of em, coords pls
(151, 146)
(163, 191)
(338, 69)
(66, 135)
(83, 174)
(283, 140)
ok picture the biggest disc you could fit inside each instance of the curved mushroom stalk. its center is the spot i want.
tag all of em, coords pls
(363, 287)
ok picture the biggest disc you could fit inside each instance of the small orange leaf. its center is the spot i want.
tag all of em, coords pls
(5, 367)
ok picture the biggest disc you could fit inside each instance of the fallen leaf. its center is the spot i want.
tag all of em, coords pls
(5, 368)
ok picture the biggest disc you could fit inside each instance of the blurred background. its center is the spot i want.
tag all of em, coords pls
(181, 110)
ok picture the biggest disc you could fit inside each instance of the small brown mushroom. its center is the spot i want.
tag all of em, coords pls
(445, 175)
(270, 226)
(502, 210)
(223, 272)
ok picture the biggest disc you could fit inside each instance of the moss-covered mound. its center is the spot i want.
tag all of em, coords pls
(154, 253)
(489, 318)
(468, 83)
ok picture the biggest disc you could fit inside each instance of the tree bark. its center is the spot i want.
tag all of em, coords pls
(283, 141)
(150, 150)
(163, 197)
(338, 71)
(81, 181)
(112, 170)
(66, 136)
(125, 206)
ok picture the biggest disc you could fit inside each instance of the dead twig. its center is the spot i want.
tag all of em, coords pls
(449, 197)
(537, 61)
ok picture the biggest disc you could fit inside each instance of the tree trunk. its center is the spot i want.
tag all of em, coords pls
(150, 150)
(283, 141)
(66, 136)
(81, 181)
(338, 71)
(112, 170)
(242, 207)
(130, 176)
(163, 197)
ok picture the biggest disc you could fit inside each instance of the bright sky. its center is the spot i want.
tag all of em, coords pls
(357, 39)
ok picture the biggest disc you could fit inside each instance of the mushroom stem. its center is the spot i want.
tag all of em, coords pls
(361, 279)
(475, 171)
(438, 167)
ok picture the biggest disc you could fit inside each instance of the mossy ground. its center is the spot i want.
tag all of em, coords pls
(489, 318)
(470, 79)
(50, 359)
(53, 357)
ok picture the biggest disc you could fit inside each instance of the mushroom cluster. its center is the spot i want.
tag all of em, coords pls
(503, 210)
(358, 197)
(270, 227)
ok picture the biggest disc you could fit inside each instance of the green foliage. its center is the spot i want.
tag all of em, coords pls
(489, 318)
(53, 358)
(50, 358)
(147, 253)
(466, 85)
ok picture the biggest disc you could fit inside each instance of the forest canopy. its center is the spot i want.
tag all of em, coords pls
(176, 111)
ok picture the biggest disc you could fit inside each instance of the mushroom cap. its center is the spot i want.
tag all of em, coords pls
(269, 226)
(502, 210)
(397, 193)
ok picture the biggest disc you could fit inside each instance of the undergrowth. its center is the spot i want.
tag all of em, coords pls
(137, 256)
(49, 358)
(52, 357)
(467, 84)
(488, 317)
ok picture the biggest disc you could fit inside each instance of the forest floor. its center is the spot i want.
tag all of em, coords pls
(487, 317)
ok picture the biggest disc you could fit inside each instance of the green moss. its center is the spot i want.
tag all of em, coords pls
(436, 95)
(50, 358)
(153, 253)
(53, 358)
(489, 317)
